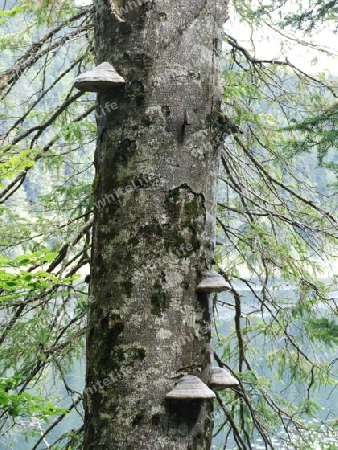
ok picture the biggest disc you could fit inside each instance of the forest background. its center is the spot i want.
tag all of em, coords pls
(277, 224)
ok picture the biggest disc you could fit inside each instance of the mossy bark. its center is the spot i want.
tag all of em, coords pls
(154, 232)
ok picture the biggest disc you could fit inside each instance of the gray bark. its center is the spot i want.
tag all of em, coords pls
(155, 196)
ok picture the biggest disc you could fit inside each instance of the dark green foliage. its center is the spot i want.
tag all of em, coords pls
(323, 329)
(319, 11)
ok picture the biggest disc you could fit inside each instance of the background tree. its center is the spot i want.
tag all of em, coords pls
(276, 217)
(278, 222)
(46, 176)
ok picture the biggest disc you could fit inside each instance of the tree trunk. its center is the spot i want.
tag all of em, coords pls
(155, 203)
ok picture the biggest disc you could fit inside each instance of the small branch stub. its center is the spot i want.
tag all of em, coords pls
(222, 379)
(189, 388)
(212, 282)
(101, 79)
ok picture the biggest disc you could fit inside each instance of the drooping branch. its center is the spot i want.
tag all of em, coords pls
(36, 51)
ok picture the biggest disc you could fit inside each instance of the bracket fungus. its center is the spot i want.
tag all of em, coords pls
(190, 387)
(101, 79)
(222, 379)
(212, 282)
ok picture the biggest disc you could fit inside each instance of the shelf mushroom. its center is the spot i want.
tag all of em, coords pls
(101, 79)
(212, 282)
(222, 379)
(190, 387)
